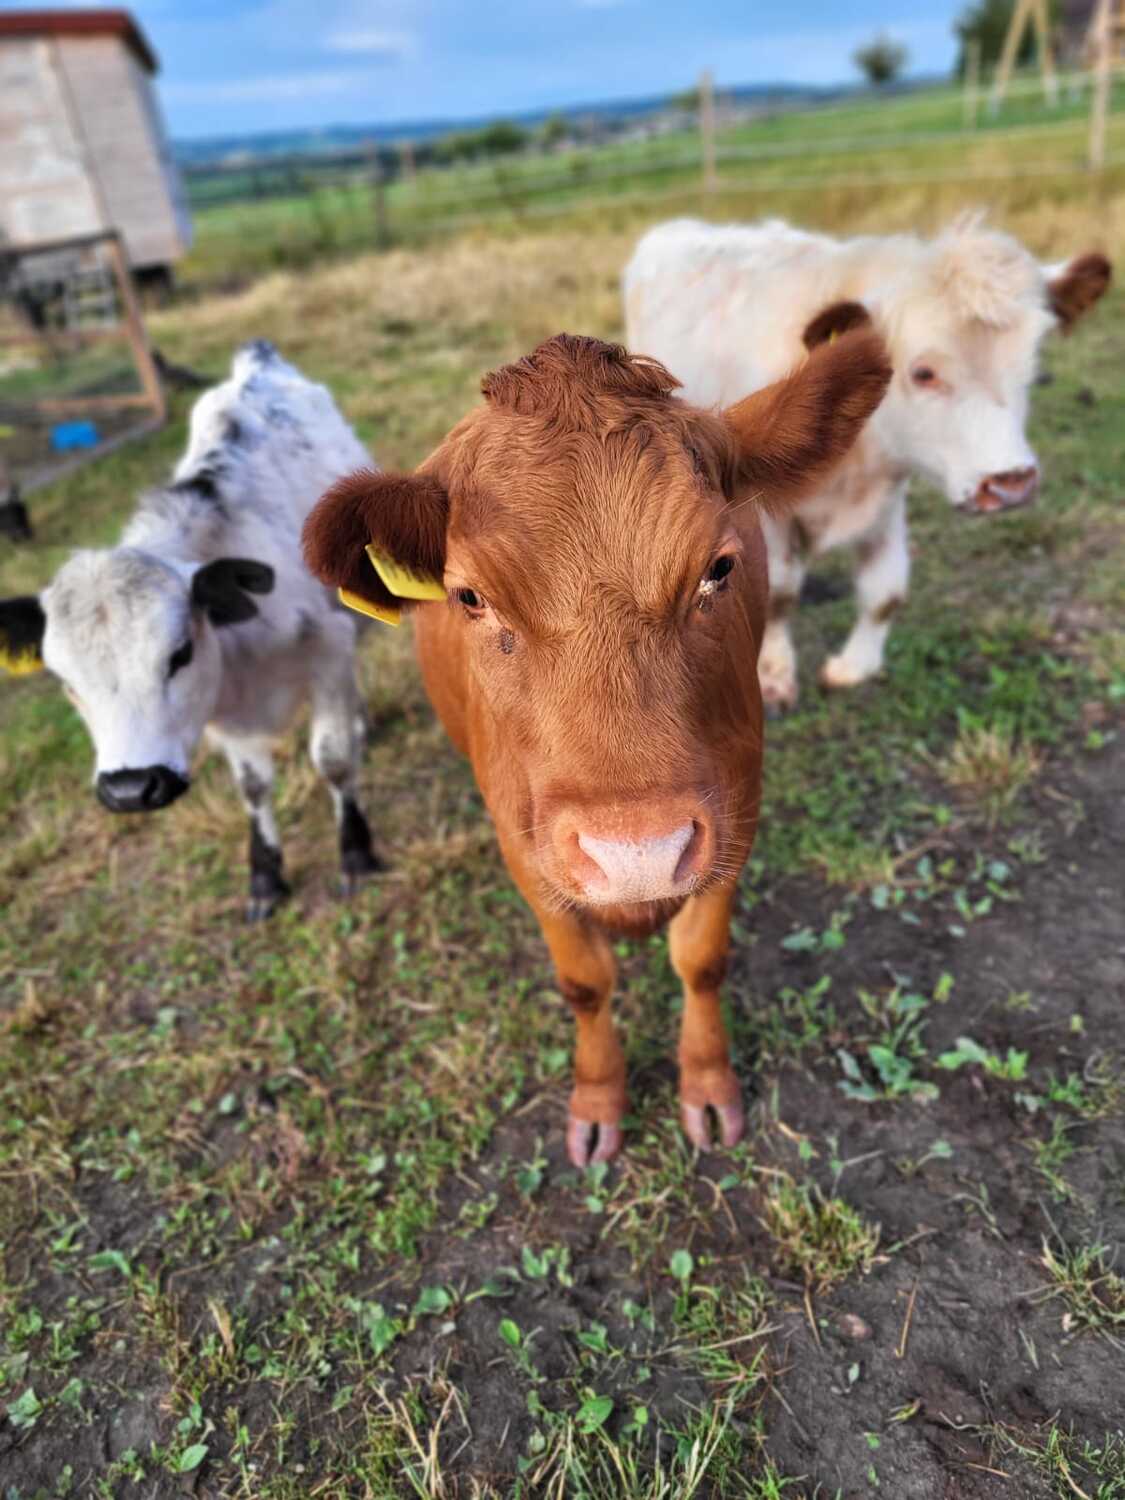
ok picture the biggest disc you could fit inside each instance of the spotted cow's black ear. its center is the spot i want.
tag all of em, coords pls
(222, 588)
(22, 624)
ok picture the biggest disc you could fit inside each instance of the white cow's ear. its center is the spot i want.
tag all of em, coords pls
(832, 321)
(1074, 287)
(22, 626)
(222, 588)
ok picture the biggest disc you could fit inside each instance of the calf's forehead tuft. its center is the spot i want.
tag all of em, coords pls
(985, 276)
(566, 377)
(110, 591)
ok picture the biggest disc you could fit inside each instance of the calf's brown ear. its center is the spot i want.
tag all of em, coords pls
(1075, 288)
(405, 515)
(832, 321)
(792, 433)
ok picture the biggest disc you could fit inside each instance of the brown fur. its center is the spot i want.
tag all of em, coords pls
(796, 430)
(887, 609)
(1075, 291)
(585, 504)
(407, 514)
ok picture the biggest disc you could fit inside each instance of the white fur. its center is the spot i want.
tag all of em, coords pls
(263, 447)
(725, 307)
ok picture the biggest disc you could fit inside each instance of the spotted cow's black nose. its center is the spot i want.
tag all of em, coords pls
(140, 791)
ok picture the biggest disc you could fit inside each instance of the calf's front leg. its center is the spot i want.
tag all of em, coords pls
(584, 964)
(251, 763)
(882, 576)
(335, 747)
(698, 942)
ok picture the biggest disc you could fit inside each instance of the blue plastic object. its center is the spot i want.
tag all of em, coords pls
(67, 436)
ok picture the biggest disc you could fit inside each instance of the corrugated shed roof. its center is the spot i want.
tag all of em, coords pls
(81, 23)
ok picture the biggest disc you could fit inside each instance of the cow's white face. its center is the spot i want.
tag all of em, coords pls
(957, 408)
(134, 642)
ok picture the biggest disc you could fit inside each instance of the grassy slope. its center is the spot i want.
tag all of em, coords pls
(267, 1124)
(785, 164)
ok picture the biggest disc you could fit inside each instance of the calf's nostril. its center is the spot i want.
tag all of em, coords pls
(689, 859)
(144, 790)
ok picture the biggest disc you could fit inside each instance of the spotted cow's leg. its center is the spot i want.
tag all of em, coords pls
(786, 546)
(335, 743)
(698, 940)
(251, 762)
(881, 580)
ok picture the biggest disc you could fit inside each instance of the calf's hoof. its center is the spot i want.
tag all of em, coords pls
(837, 672)
(261, 908)
(588, 1141)
(356, 866)
(718, 1093)
(265, 897)
(779, 695)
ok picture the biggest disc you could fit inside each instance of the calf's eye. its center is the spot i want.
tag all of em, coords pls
(924, 375)
(470, 601)
(714, 580)
(180, 658)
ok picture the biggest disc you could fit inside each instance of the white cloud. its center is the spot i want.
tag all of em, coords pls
(268, 89)
(375, 43)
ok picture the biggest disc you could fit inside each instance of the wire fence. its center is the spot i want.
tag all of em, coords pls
(358, 203)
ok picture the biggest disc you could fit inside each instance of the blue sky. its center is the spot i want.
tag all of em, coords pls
(243, 65)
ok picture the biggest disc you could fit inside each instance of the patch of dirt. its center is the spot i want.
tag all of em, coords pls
(952, 1331)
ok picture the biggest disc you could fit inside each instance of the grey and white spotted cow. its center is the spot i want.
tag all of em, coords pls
(203, 618)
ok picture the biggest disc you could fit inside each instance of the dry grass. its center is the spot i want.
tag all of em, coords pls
(821, 1240)
(990, 766)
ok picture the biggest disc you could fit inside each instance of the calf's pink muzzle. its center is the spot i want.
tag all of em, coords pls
(1006, 491)
(653, 855)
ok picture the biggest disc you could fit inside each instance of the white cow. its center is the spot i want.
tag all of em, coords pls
(204, 618)
(730, 308)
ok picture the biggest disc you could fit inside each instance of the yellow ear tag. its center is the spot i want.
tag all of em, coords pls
(20, 664)
(387, 613)
(403, 582)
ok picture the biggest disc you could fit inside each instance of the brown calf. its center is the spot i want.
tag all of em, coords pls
(599, 543)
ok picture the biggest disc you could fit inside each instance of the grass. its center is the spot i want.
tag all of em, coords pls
(819, 1240)
(990, 766)
(1072, 1466)
(270, 1195)
(1092, 1293)
(904, 160)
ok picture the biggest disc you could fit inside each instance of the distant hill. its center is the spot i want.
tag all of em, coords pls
(336, 138)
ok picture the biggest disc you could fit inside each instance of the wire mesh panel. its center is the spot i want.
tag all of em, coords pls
(76, 372)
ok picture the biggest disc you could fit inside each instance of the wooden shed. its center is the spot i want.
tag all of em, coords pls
(82, 142)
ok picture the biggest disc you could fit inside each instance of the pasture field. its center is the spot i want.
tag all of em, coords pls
(910, 154)
(284, 1209)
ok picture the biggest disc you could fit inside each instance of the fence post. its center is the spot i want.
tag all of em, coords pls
(972, 82)
(1099, 103)
(378, 198)
(707, 129)
(1021, 14)
(406, 156)
(1046, 53)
